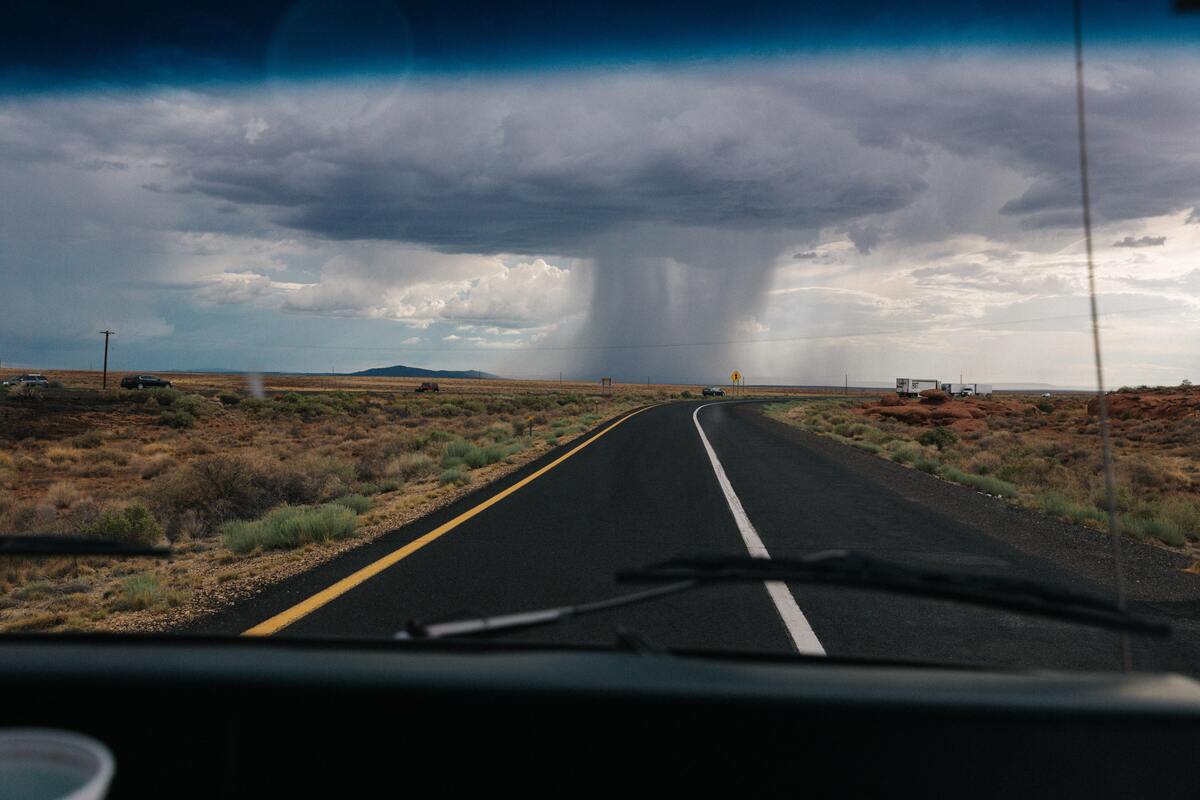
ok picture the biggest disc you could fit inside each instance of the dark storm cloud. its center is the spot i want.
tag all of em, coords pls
(680, 189)
(1145, 241)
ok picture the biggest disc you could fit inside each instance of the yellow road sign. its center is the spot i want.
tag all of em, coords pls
(736, 376)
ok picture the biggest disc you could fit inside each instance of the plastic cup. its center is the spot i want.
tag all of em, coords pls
(42, 763)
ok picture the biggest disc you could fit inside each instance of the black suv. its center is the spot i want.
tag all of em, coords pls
(144, 382)
(713, 391)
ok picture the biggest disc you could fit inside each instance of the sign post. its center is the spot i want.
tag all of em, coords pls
(735, 378)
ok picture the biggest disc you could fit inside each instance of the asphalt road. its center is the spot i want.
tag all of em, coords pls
(647, 490)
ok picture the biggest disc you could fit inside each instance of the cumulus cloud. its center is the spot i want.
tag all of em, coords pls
(514, 296)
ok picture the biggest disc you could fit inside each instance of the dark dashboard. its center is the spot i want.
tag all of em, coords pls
(239, 718)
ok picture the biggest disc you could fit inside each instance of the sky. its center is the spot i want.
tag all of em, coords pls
(872, 209)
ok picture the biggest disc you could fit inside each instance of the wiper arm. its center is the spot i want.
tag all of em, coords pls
(528, 619)
(857, 570)
(831, 567)
(51, 546)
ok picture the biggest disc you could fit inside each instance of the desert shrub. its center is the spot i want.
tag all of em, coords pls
(131, 525)
(455, 474)
(156, 465)
(143, 591)
(1060, 505)
(229, 398)
(1184, 512)
(289, 526)
(877, 436)
(27, 391)
(390, 486)
(1146, 525)
(1145, 473)
(228, 486)
(355, 502)
(87, 440)
(984, 463)
(1029, 470)
(163, 396)
(185, 526)
(176, 419)
(458, 449)
(62, 495)
(411, 466)
(61, 455)
(95, 470)
(939, 437)
(685, 394)
(869, 447)
(904, 455)
(369, 489)
(110, 456)
(929, 465)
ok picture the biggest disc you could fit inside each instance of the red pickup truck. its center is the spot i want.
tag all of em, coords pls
(428, 386)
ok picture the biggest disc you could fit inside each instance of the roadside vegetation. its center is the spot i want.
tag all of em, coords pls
(1043, 455)
(246, 490)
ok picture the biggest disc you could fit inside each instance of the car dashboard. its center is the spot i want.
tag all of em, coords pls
(252, 718)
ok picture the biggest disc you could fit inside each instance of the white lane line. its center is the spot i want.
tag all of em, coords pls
(803, 638)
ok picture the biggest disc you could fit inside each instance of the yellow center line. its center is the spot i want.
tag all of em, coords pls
(330, 593)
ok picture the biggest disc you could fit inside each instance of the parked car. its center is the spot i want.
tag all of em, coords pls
(144, 382)
(30, 378)
(713, 391)
(428, 386)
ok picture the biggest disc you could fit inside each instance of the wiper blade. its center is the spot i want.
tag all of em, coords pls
(527, 619)
(830, 567)
(857, 570)
(49, 546)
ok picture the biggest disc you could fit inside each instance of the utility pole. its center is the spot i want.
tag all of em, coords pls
(104, 379)
(560, 380)
(846, 383)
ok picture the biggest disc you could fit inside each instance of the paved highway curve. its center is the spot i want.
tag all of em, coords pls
(647, 490)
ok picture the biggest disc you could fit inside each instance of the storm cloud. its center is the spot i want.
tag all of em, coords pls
(609, 209)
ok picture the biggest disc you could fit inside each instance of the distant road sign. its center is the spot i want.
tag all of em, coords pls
(736, 376)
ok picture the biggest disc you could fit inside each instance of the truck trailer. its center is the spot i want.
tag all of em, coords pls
(911, 387)
(967, 389)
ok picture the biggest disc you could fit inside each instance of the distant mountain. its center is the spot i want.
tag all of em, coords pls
(401, 371)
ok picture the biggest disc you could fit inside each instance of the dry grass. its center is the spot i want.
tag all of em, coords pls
(1047, 459)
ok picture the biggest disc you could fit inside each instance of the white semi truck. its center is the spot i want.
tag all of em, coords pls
(967, 389)
(911, 387)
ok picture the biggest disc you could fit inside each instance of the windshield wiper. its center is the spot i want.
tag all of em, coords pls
(528, 619)
(833, 568)
(858, 570)
(50, 546)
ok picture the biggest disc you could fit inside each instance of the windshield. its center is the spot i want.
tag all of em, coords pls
(465, 309)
